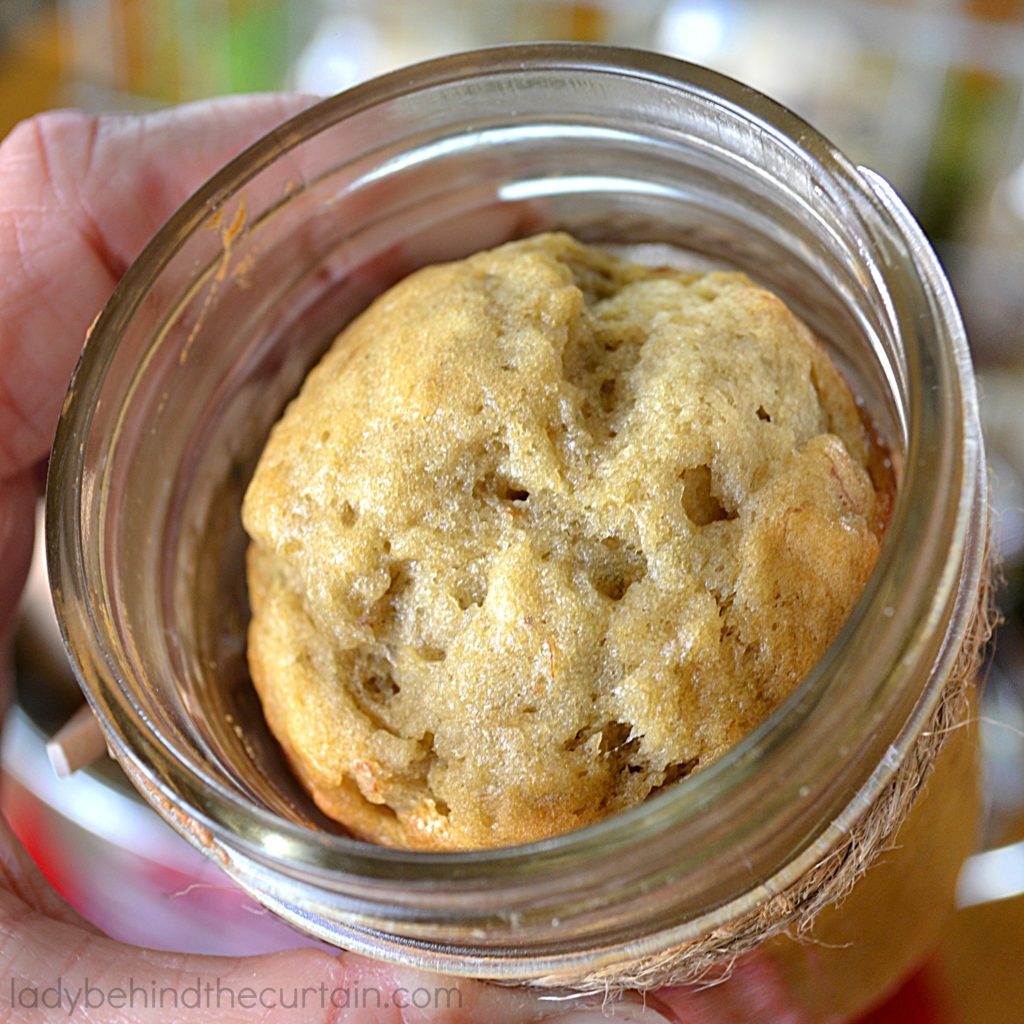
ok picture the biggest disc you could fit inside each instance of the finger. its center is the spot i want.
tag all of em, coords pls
(80, 197)
(56, 966)
(53, 971)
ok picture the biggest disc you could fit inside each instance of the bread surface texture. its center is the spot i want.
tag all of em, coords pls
(544, 532)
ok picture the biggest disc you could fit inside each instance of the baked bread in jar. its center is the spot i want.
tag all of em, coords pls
(544, 532)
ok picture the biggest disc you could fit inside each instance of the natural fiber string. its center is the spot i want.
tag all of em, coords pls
(710, 958)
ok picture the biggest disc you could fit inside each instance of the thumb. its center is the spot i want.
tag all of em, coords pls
(80, 197)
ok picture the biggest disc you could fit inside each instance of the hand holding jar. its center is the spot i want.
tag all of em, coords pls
(718, 881)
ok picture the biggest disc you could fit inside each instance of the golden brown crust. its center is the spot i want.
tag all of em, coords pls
(545, 531)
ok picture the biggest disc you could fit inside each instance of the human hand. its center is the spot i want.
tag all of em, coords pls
(79, 197)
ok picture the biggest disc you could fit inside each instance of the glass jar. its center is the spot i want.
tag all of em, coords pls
(212, 330)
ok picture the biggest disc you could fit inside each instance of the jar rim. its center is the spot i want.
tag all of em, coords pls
(929, 556)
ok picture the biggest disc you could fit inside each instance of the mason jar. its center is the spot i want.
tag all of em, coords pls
(860, 790)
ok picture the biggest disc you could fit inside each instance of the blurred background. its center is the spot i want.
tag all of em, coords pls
(927, 92)
(930, 93)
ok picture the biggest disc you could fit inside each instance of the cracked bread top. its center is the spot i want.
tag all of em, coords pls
(544, 532)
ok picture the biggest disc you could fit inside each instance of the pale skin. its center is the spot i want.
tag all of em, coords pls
(79, 197)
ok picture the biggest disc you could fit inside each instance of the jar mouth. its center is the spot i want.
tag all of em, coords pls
(870, 693)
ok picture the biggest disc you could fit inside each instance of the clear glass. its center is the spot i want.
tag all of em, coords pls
(212, 330)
